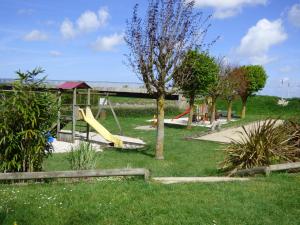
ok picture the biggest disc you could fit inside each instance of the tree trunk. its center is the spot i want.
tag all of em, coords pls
(159, 152)
(213, 111)
(192, 100)
(229, 110)
(243, 109)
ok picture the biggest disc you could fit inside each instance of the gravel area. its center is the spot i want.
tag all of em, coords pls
(145, 128)
(62, 147)
(183, 122)
(225, 136)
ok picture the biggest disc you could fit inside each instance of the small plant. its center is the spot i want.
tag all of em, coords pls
(265, 144)
(82, 157)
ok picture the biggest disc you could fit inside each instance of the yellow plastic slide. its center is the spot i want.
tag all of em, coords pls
(90, 119)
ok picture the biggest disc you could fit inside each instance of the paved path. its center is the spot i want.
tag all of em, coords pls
(175, 180)
(227, 135)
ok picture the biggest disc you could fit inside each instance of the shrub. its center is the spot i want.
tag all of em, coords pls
(25, 117)
(140, 112)
(263, 145)
(82, 157)
(293, 129)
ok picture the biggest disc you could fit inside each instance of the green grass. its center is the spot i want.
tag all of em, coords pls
(180, 159)
(263, 200)
(272, 200)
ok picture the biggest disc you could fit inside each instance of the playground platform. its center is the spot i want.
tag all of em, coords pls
(183, 122)
(129, 142)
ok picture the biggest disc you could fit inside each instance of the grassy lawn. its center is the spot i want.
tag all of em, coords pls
(263, 200)
(273, 200)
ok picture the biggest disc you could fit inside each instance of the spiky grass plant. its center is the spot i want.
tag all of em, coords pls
(82, 157)
(266, 143)
(293, 128)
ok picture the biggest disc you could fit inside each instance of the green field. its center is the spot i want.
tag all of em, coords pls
(263, 200)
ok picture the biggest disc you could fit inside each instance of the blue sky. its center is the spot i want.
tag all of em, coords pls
(82, 39)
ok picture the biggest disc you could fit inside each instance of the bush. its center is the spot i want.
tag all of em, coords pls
(266, 144)
(140, 112)
(25, 117)
(82, 157)
(293, 129)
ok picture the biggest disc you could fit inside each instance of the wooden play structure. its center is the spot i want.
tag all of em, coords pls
(81, 111)
(201, 113)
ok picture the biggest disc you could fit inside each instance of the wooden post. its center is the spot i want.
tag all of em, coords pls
(115, 116)
(89, 105)
(74, 115)
(256, 170)
(100, 106)
(285, 166)
(58, 114)
(76, 174)
(267, 169)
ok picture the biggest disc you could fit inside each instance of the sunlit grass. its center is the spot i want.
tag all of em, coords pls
(263, 200)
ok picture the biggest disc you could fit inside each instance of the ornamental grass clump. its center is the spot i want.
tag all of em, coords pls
(82, 157)
(293, 128)
(267, 143)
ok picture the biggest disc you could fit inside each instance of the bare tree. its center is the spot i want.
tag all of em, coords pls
(158, 44)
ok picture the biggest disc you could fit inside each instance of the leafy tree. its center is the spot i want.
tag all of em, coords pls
(200, 72)
(251, 79)
(26, 114)
(158, 43)
(215, 89)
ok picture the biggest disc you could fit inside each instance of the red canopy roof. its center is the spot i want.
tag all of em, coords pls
(72, 85)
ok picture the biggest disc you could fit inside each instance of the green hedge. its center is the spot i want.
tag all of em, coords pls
(140, 112)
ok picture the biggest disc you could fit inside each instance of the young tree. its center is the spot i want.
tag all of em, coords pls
(25, 117)
(251, 79)
(214, 90)
(157, 46)
(199, 72)
(229, 87)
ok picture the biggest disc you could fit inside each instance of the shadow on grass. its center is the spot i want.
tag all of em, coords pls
(144, 151)
(176, 126)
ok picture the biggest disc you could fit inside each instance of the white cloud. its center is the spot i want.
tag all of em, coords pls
(87, 22)
(108, 43)
(260, 38)
(35, 35)
(228, 8)
(262, 59)
(103, 15)
(67, 29)
(294, 15)
(55, 53)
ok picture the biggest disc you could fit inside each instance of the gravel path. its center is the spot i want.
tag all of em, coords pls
(227, 135)
(62, 147)
(175, 180)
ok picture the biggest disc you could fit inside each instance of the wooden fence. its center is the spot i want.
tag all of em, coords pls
(267, 169)
(76, 174)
